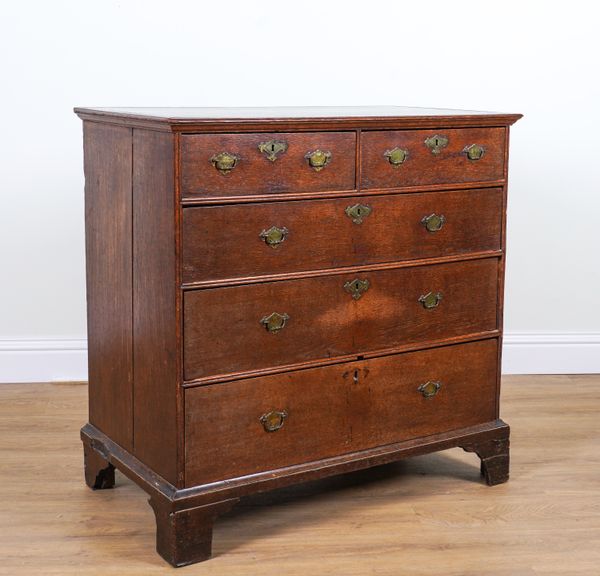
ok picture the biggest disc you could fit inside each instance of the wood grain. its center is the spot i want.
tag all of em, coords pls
(342, 408)
(322, 235)
(254, 173)
(108, 220)
(162, 167)
(223, 332)
(193, 120)
(424, 167)
(423, 516)
(154, 303)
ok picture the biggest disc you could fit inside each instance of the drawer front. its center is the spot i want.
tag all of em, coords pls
(272, 238)
(243, 328)
(266, 423)
(233, 164)
(397, 158)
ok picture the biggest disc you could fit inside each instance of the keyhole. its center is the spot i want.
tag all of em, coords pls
(355, 377)
(272, 147)
(437, 142)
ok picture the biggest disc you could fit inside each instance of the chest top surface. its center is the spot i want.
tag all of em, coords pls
(319, 116)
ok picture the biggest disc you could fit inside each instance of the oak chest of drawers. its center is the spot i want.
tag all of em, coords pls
(279, 295)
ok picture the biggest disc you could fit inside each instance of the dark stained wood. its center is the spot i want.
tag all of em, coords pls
(255, 173)
(254, 198)
(223, 332)
(201, 494)
(321, 235)
(409, 347)
(298, 119)
(424, 167)
(495, 459)
(342, 408)
(185, 536)
(346, 372)
(271, 113)
(154, 303)
(108, 216)
(99, 473)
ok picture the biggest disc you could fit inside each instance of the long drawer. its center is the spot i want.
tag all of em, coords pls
(228, 165)
(266, 423)
(278, 237)
(242, 328)
(395, 158)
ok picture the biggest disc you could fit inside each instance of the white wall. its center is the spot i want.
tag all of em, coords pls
(538, 57)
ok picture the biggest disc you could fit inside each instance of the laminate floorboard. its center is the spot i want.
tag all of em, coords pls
(430, 515)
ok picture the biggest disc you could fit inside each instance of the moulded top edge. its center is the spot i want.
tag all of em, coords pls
(308, 114)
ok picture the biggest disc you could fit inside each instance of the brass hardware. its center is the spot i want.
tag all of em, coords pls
(272, 148)
(274, 322)
(318, 159)
(436, 143)
(396, 156)
(273, 421)
(430, 300)
(224, 162)
(474, 152)
(358, 212)
(356, 287)
(274, 236)
(429, 389)
(433, 222)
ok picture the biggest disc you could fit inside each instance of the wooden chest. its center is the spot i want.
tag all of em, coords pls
(279, 295)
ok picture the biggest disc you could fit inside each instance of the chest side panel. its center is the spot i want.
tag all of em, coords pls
(155, 296)
(108, 218)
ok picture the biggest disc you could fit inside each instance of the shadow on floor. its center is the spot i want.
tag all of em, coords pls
(389, 481)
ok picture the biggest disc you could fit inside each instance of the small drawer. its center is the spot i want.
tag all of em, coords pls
(261, 424)
(281, 237)
(243, 328)
(397, 158)
(225, 165)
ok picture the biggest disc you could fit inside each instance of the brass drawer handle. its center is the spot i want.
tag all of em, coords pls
(318, 159)
(433, 222)
(396, 156)
(274, 420)
(358, 212)
(274, 322)
(274, 236)
(224, 162)
(272, 148)
(436, 143)
(429, 389)
(430, 300)
(356, 288)
(474, 152)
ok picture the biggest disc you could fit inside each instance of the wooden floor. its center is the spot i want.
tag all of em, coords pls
(430, 515)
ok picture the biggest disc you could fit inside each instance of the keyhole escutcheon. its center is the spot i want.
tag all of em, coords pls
(436, 143)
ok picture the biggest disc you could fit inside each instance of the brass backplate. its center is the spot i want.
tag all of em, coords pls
(396, 156)
(474, 152)
(274, 236)
(274, 322)
(318, 159)
(433, 222)
(274, 420)
(430, 300)
(224, 162)
(429, 389)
